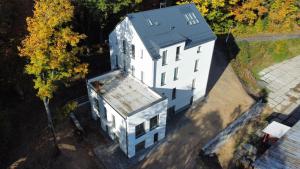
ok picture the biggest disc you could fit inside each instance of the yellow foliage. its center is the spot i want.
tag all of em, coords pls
(250, 11)
(51, 46)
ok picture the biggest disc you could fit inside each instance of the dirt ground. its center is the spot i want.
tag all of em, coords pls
(226, 152)
(76, 152)
(226, 101)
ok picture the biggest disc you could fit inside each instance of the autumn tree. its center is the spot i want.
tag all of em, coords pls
(50, 49)
(283, 13)
(250, 11)
(216, 12)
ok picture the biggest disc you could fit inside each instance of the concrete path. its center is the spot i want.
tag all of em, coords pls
(270, 37)
(283, 82)
(190, 131)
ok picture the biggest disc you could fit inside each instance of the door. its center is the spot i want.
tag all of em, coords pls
(155, 137)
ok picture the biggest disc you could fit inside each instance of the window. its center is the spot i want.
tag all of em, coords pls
(176, 73)
(196, 66)
(140, 146)
(164, 58)
(174, 93)
(142, 54)
(177, 53)
(139, 130)
(155, 137)
(153, 122)
(163, 79)
(191, 18)
(113, 121)
(142, 76)
(124, 46)
(193, 84)
(96, 104)
(199, 49)
(133, 51)
(132, 70)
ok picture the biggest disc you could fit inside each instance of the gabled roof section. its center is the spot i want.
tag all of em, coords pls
(163, 27)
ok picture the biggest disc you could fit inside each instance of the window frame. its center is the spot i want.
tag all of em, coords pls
(152, 127)
(132, 51)
(142, 132)
(177, 53)
(174, 92)
(142, 76)
(199, 49)
(124, 46)
(193, 84)
(175, 74)
(196, 65)
(164, 58)
(140, 146)
(163, 79)
(132, 70)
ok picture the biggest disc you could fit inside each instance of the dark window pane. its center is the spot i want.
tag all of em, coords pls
(153, 122)
(139, 130)
(174, 94)
(140, 146)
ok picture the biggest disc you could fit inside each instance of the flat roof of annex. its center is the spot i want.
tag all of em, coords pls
(124, 93)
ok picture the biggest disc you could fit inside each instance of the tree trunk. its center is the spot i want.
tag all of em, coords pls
(50, 124)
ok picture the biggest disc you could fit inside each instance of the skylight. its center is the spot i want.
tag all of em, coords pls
(191, 18)
(150, 22)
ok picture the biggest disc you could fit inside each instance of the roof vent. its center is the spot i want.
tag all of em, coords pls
(172, 27)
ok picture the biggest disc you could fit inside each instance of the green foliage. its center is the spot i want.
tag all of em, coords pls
(51, 46)
(66, 110)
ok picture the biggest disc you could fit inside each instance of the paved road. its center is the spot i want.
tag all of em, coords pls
(270, 37)
(226, 100)
(283, 82)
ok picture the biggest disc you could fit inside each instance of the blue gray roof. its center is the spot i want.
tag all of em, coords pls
(163, 27)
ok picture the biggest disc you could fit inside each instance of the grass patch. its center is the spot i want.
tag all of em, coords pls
(255, 56)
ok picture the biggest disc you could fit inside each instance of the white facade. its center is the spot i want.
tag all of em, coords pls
(150, 70)
(121, 126)
(167, 54)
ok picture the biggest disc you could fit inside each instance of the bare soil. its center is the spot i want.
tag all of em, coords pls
(226, 101)
(76, 151)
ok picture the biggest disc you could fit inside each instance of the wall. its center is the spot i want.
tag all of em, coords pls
(142, 62)
(145, 116)
(106, 120)
(185, 74)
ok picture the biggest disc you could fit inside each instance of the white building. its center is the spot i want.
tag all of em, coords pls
(161, 60)
(129, 111)
(168, 49)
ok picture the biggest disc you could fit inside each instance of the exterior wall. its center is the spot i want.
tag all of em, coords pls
(144, 117)
(125, 30)
(186, 73)
(117, 133)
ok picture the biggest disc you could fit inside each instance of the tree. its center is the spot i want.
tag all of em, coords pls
(283, 14)
(51, 48)
(107, 13)
(216, 12)
(250, 11)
